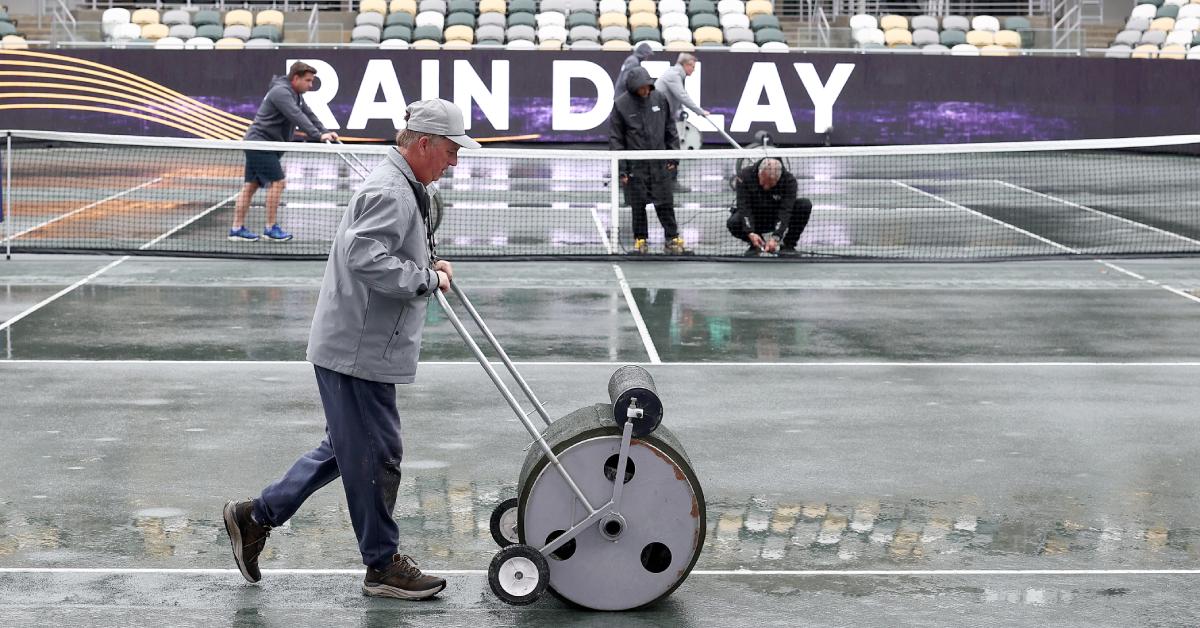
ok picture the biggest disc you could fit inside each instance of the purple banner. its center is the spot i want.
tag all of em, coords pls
(566, 96)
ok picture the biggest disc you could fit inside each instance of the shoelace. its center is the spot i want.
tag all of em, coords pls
(406, 566)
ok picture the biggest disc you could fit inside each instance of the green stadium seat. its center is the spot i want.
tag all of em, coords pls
(769, 34)
(705, 19)
(460, 19)
(266, 32)
(1157, 3)
(696, 7)
(206, 17)
(4, 16)
(399, 19)
(759, 22)
(1167, 10)
(1016, 23)
(210, 31)
(582, 19)
(461, 6)
(953, 38)
(428, 32)
(522, 6)
(397, 31)
(646, 33)
(6, 28)
(522, 19)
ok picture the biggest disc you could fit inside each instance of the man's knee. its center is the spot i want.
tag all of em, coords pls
(279, 185)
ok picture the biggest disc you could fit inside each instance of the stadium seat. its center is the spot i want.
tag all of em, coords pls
(1145, 51)
(581, 6)
(614, 6)
(397, 31)
(459, 32)
(655, 45)
(615, 19)
(522, 6)
(1147, 11)
(210, 31)
(550, 44)
(204, 17)
(269, 17)
(394, 44)
(964, 50)
(924, 37)
(924, 21)
(985, 23)
(735, 20)
(680, 46)
(556, 6)
(614, 33)
(617, 45)
(1190, 10)
(1156, 3)
(155, 31)
(645, 33)
(492, 6)
(764, 21)
(639, 20)
(457, 44)
(430, 32)
(259, 43)
(1008, 39)
(229, 43)
(168, 43)
(734, 35)
(369, 18)
(642, 6)
(1167, 10)
(890, 22)
(461, 6)
(373, 6)
(490, 32)
(552, 33)
(365, 32)
(1173, 51)
(956, 23)
(524, 19)
(759, 7)
(431, 18)
(13, 42)
(237, 31)
(583, 33)
(182, 31)
(705, 19)
(550, 18)
(864, 36)
(239, 17)
(677, 33)
(460, 19)
(141, 17)
(935, 49)
(992, 50)
(403, 6)
(120, 32)
(897, 36)
(774, 46)
(400, 19)
(863, 21)
(520, 32)
(585, 45)
(176, 16)
(1156, 38)
(1178, 38)
(492, 19)
(951, 38)
(111, 18)
(743, 46)
(433, 6)
(671, 6)
(520, 44)
(1193, 53)
(768, 35)
(1118, 51)
(1163, 24)
(588, 19)
(488, 43)
(1187, 24)
(425, 44)
(708, 35)
(731, 6)
(981, 38)
(697, 7)
(198, 43)
(1138, 24)
(674, 19)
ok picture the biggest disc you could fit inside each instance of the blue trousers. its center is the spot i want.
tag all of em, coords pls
(362, 445)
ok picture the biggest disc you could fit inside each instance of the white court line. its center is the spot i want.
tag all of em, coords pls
(773, 365)
(57, 295)
(638, 321)
(697, 572)
(84, 208)
(1168, 288)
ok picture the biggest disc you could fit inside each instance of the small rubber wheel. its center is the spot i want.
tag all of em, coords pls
(504, 523)
(518, 574)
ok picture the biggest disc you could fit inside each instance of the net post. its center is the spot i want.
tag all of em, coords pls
(7, 217)
(614, 194)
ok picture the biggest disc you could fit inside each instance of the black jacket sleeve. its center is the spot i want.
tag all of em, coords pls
(671, 133)
(787, 190)
(616, 136)
(744, 198)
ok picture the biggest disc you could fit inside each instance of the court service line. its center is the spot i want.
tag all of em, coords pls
(638, 321)
(1063, 247)
(61, 293)
(85, 208)
(772, 365)
(697, 572)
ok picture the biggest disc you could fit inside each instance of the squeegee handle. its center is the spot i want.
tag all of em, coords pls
(723, 133)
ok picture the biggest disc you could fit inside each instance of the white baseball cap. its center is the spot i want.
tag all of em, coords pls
(439, 117)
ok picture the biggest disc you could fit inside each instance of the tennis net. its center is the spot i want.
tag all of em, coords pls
(157, 196)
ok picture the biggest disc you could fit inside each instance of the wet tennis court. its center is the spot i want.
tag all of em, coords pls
(879, 444)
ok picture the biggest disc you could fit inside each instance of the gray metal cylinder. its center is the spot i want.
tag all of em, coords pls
(662, 506)
(632, 386)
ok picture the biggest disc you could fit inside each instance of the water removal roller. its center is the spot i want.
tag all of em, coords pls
(604, 519)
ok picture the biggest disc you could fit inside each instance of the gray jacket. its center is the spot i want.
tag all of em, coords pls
(281, 111)
(670, 84)
(378, 280)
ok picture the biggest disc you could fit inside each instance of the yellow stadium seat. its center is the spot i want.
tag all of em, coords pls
(13, 42)
(643, 19)
(270, 17)
(643, 6)
(613, 19)
(981, 38)
(708, 35)
(550, 44)
(1008, 39)
(1163, 24)
(493, 6)
(897, 37)
(888, 22)
(403, 6)
(618, 45)
(1145, 51)
(373, 6)
(1173, 51)
(680, 46)
(460, 32)
(240, 17)
(759, 7)
(155, 31)
(425, 44)
(456, 44)
(992, 50)
(141, 17)
(230, 43)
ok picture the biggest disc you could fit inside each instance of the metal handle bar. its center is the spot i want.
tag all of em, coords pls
(722, 132)
(361, 174)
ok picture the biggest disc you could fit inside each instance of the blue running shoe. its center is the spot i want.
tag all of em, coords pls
(242, 234)
(274, 232)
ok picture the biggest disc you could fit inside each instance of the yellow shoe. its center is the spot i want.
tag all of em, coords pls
(640, 246)
(675, 246)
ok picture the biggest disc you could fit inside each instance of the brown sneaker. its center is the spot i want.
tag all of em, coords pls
(401, 580)
(247, 537)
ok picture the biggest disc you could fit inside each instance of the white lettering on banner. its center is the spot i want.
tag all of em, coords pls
(763, 76)
(493, 102)
(380, 73)
(430, 77)
(318, 99)
(561, 116)
(823, 96)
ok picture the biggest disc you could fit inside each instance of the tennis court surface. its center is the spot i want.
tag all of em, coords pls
(879, 444)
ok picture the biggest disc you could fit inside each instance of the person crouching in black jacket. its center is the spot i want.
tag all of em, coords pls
(767, 204)
(641, 120)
